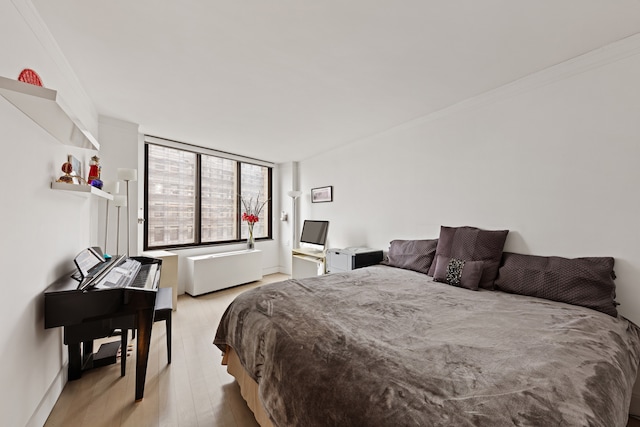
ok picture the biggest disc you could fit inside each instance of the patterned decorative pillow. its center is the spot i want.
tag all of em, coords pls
(473, 244)
(457, 272)
(587, 282)
(416, 255)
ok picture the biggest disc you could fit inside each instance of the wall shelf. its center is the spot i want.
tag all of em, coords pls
(81, 189)
(43, 107)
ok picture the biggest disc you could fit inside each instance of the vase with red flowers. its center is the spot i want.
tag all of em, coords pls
(251, 215)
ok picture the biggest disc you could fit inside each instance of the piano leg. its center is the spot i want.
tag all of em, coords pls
(75, 361)
(87, 351)
(123, 350)
(143, 342)
(79, 358)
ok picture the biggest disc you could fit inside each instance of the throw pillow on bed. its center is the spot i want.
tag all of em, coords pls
(457, 272)
(473, 244)
(416, 255)
(587, 282)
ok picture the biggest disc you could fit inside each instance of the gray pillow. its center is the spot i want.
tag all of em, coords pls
(473, 244)
(457, 272)
(587, 282)
(416, 255)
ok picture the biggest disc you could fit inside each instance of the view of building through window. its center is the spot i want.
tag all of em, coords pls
(171, 192)
(219, 199)
(255, 187)
(186, 207)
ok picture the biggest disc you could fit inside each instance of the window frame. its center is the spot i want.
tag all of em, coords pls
(199, 152)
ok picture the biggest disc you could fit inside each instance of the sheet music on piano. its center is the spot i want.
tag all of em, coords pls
(94, 272)
(129, 274)
(120, 275)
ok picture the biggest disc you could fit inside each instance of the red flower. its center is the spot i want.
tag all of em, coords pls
(251, 212)
(250, 218)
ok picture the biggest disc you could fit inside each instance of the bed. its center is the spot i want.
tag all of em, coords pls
(389, 345)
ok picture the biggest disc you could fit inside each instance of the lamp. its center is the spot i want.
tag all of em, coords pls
(127, 175)
(119, 200)
(110, 187)
(294, 194)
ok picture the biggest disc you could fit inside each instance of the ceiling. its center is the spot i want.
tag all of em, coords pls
(284, 80)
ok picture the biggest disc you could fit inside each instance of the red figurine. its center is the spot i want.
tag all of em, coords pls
(94, 173)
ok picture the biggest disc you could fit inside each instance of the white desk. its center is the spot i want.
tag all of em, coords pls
(307, 263)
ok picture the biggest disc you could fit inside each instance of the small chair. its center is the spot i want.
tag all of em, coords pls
(162, 311)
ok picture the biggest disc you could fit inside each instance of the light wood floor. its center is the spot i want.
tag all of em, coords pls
(195, 390)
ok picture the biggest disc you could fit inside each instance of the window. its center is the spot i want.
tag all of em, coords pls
(254, 185)
(192, 196)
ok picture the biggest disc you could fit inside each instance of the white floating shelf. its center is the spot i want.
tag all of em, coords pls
(43, 107)
(81, 189)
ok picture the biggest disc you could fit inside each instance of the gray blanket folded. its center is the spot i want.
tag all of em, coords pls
(383, 346)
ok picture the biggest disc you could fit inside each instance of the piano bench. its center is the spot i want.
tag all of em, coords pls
(162, 311)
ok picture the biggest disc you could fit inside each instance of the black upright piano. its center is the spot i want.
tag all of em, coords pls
(97, 311)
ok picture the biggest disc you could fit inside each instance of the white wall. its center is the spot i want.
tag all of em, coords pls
(44, 229)
(553, 158)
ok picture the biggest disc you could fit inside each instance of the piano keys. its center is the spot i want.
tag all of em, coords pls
(98, 310)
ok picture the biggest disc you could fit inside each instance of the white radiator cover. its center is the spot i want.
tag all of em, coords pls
(208, 273)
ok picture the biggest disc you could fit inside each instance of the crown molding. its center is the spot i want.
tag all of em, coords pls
(608, 54)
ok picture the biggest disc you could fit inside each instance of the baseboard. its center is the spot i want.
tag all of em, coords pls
(270, 270)
(49, 399)
(284, 270)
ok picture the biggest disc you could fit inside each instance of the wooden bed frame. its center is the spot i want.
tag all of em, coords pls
(248, 387)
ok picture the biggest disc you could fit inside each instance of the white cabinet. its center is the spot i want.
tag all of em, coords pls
(208, 273)
(168, 273)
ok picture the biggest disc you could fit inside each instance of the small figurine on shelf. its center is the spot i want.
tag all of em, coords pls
(29, 76)
(94, 173)
(67, 168)
(69, 176)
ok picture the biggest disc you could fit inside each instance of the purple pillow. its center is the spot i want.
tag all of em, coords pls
(587, 282)
(416, 255)
(473, 244)
(456, 272)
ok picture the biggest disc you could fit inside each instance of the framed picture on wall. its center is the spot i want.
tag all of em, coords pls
(76, 169)
(75, 163)
(322, 194)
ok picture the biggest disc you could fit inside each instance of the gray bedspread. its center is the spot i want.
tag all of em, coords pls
(382, 346)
